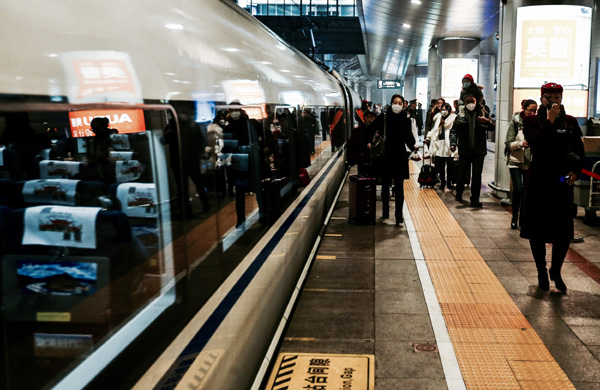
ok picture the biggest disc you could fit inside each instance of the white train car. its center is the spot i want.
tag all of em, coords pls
(116, 234)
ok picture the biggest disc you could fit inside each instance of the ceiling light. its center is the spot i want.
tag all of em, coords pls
(400, 40)
(266, 63)
(396, 51)
(415, 1)
(231, 49)
(174, 26)
(405, 25)
(284, 70)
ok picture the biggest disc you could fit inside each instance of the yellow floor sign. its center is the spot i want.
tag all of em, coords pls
(300, 371)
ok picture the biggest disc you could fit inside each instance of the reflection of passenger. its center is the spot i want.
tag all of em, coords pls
(213, 150)
(238, 129)
(308, 122)
(20, 136)
(100, 164)
(192, 143)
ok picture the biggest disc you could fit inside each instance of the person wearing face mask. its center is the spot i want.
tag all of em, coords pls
(555, 140)
(469, 134)
(469, 87)
(358, 152)
(518, 156)
(438, 140)
(396, 127)
(435, 109)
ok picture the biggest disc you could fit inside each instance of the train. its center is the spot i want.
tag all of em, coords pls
(233, 139)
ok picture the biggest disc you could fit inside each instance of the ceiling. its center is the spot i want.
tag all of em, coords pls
(392, 48)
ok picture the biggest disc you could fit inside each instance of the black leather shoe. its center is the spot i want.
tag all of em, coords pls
(558, 282)
(476, 204)
(513, 224)
(458, 198)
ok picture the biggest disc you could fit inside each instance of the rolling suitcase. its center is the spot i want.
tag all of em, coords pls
(362, 200)
(428, 175)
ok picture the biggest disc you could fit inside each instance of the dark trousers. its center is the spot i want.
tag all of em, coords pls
(386, 182)
(443, 164)
(559, 252)
(517, 175)
(474, 163)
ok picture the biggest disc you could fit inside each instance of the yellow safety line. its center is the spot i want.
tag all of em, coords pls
(495, 345)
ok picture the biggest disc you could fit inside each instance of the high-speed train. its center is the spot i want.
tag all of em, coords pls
(165, 168)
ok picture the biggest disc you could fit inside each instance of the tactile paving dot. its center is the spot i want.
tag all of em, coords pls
(516, 336)
(537, 371)
(547, 385)
(465, 320)
(526, 352)
(507, 321)
(471, 335)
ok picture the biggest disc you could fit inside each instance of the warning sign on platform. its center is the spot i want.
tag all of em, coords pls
(323, 372)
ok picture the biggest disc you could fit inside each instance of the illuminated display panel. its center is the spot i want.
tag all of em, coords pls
(553, 44)
(575, 101)
(598, 89)
(453, 70)
(125, 121)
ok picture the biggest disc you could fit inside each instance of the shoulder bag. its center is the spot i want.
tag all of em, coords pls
(378, 143)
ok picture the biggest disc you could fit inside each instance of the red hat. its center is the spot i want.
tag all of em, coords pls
(551, 88)
(468, 76)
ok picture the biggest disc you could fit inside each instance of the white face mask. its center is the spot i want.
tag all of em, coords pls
(444, 112)
(471, 106)
(235, 115)
(396, 108)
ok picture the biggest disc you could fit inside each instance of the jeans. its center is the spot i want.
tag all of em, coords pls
(517, 175)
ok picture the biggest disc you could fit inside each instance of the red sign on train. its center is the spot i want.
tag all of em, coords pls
(125, 121)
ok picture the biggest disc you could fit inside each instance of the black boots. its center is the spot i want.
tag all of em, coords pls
(514, 223)
(543, 283)
(558, 282)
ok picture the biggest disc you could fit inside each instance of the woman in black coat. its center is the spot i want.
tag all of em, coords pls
(557, 158)
(394, 166)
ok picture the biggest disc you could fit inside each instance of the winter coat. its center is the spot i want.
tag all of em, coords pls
(460, 134)
(517, 156)
(440, 146)
(398, 133)
(547, 211)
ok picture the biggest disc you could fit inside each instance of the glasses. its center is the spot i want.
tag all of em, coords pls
(531, 111)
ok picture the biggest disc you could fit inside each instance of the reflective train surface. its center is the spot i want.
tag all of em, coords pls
(164, 166)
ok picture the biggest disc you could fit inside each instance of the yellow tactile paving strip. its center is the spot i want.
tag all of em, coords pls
(495, 345)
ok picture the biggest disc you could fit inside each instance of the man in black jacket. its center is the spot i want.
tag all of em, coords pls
(469, 133)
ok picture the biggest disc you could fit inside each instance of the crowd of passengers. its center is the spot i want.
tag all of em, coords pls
(544, 152)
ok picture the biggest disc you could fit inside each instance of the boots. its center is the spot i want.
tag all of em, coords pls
(555, 276)
(543, 283)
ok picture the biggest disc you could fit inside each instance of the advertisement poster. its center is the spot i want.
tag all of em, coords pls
(61, 226)
(453, 70)
(125, 121)
(50, 169)
(553, 44)
(138, 199)
(53, 191)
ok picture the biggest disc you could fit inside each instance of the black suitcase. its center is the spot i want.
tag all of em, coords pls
(362, 200)
(428, 176)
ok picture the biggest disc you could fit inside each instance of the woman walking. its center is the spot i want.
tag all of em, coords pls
(518, 155)
(557, 158)
(395, 127)
(438, 140)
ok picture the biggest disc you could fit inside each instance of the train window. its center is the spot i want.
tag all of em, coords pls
(88, 197)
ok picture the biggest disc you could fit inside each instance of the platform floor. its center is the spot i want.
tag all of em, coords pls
(457, 277)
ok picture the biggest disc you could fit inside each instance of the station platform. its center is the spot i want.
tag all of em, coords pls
(447, 300)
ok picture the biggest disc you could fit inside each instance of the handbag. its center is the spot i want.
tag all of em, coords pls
(378, 144)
